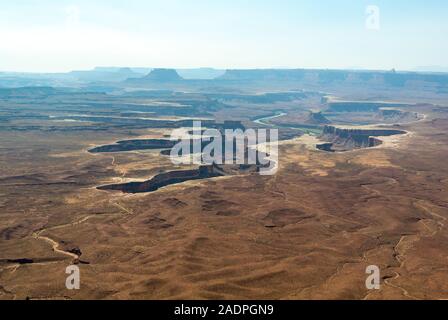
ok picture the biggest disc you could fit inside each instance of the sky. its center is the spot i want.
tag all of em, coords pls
(63, 35)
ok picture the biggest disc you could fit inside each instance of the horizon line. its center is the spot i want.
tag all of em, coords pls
(359, 69)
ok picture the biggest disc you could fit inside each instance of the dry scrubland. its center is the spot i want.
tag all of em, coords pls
(307, 232)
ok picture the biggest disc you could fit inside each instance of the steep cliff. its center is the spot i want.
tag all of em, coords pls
(165, 179)
(174, 177)
(131, 145)
(396, 116)
(344, 139)
(320, 76)
(163, 75)
(316, 118)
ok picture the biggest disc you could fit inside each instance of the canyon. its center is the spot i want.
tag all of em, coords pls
(85, 179)
(345, 139)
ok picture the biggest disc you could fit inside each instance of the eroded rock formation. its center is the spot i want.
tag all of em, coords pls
(175, 177)
(131, 145)
(344, 139)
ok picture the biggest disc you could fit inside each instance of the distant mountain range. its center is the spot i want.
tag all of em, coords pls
(391, 78)
(200, 73)
(98, 74)
(310, 76)
(204, 77)
(162, 75)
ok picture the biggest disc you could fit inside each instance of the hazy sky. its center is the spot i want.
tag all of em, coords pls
(60, 35)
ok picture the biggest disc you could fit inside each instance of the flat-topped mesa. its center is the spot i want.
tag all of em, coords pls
(263, 74)
(163, 75)
(328, 77)
(132, 145)
(397, 116)
(353, 107)
(175, 177)
(316, 118)
(347, 132)
(164, 179)
(364, 106)
(344, 139)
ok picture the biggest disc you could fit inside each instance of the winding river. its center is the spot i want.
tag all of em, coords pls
(265, 120)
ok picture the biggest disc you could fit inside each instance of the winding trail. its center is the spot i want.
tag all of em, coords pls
(407, 240)
(397, 257)
(404, 291)
(55, 245)
(37, 235)
(7, 292)
(121, 207)
(412, 239)
(420, 204)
